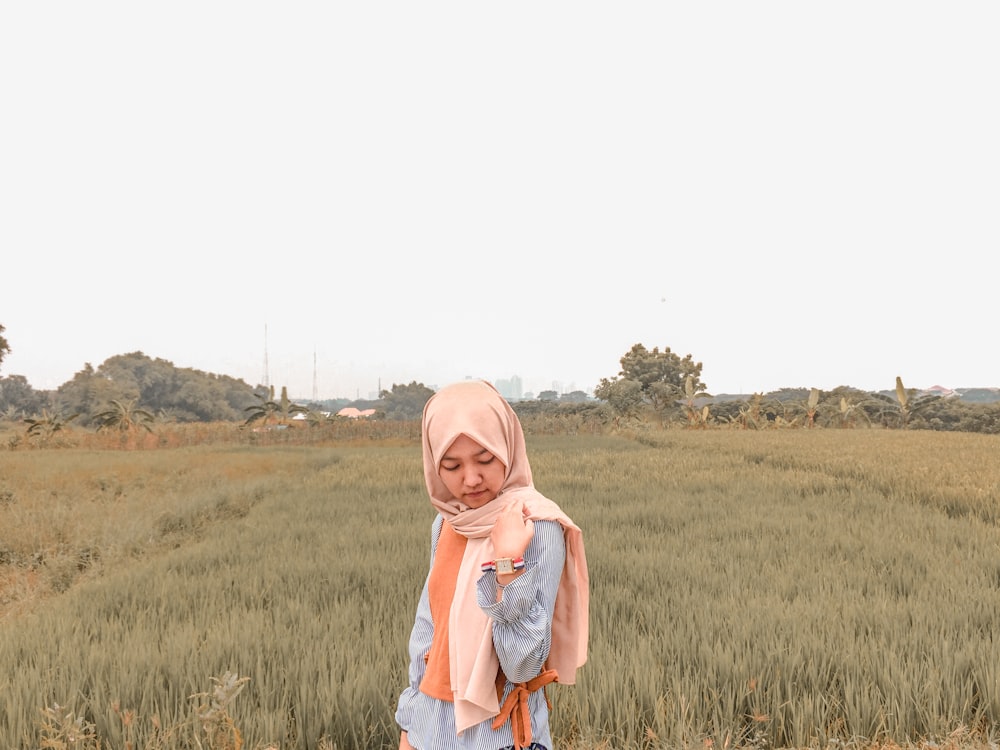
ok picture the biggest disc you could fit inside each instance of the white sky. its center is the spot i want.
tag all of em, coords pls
(796, 193)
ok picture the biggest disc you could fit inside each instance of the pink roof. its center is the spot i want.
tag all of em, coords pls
(354, 413)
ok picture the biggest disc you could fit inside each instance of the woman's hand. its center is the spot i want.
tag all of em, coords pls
(512, 531)
(404, 742)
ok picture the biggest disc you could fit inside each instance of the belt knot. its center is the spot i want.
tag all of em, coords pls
(515, 707)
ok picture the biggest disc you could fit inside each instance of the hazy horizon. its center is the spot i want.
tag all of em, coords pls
(797, 195)
(561, 387)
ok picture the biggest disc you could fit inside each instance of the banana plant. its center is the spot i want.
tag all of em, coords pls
(848, 410)
(43, 427)
(903, 397)
(811, 405)
(124, 416)
(269, 410)
(907, 403)
(751, 413)
(695, 416)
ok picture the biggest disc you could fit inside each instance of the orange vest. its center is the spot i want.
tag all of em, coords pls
(440, 591)
(437, 678)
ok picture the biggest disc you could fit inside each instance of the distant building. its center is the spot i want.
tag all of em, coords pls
(354, 413)
(511, 389)
(940, 390)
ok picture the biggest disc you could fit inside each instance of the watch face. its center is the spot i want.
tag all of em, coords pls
(505, 565)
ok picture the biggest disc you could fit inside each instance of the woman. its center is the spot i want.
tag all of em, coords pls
(504, 609)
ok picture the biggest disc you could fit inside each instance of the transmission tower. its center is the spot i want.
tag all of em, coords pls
(267, 375)
(315, 388)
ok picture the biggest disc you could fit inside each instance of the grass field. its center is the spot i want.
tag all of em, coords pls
(818, 589)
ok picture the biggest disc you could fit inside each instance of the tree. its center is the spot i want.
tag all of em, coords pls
(88, 393)
(17, 396)
(624, 396)
(405, 401)
(650, 367)
(4, 346)
(190, 395)
(661, 378)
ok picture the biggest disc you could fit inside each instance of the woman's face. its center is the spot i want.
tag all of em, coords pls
(471, 473)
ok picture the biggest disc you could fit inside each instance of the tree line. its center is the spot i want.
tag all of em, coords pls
(135, 391)
(663, 386)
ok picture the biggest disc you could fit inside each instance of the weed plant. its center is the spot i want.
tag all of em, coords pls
(818, 589)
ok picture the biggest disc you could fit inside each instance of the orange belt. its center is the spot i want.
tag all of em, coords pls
(520, 719)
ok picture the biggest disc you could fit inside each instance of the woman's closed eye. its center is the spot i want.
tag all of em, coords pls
(455, 466)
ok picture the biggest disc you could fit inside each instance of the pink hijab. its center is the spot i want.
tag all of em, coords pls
(476, 409)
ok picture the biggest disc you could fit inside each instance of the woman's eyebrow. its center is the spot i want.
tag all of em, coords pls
(446, 457)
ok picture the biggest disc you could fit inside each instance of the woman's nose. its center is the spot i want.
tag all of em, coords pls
(473, 476)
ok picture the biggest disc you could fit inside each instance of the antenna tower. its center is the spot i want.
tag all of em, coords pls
(315, 389)
(267, 376)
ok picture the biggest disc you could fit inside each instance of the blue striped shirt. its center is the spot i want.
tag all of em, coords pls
(522, 631)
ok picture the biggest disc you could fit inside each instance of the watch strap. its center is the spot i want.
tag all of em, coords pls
(516, 563)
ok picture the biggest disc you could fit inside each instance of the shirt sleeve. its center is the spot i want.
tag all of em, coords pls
(419, 644)
(522, 620)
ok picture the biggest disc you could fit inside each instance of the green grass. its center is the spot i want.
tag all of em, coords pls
(797, 589)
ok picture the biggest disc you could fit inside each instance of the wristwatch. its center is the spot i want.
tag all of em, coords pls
(504, 565)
